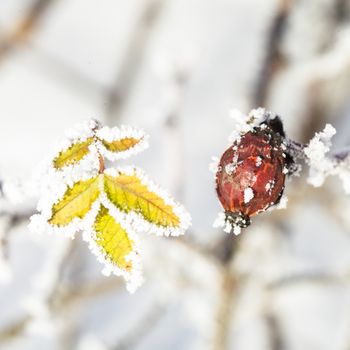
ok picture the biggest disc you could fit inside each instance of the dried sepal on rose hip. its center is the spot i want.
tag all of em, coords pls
(250, 175)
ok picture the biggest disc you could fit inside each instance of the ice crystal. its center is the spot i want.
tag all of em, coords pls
(248, 194)
(74, 188)
(322, 163)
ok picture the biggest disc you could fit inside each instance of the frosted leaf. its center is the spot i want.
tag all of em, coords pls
(132, 277)
(137, 220)
(120, 143)
(77, 194)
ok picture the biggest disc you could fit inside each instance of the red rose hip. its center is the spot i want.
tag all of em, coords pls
(251, 174)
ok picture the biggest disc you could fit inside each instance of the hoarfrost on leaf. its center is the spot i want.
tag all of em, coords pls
(108, 205)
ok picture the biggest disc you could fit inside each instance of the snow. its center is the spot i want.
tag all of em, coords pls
(316, 152)
(214, 165)
(230, 168)
(227, 225)
(245, 123)
(118, 133)
(248, 195)
(54, 184)
(269, 186)
(64, 75)
(142, 225)
(322, 163)
(283, 202)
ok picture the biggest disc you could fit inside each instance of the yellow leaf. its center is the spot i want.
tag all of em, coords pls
(113, 240)
(129, 194)
(76, 202)
(73, 154)
(122, 144)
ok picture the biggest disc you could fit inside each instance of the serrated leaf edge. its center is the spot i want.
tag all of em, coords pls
(133, 278)
(72, 144)
(114, 134)
(137, 221)
(39, 223)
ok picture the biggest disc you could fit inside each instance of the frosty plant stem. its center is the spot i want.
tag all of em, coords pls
(109, 205)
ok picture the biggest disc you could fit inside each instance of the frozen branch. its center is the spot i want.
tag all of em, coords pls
(61, 301)
(274, 58)
(25, 27)
(274, 332)
(322, 164)
(148, 322)
(129, 69)
(14, 330)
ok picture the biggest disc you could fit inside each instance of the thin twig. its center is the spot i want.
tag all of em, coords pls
(24, 27)
(224, 312)
(129, 69)
(274, 332)
(225, 252)
(274, 59)
(64, 299)
(148, 322)
(14, 330)
(311, 277)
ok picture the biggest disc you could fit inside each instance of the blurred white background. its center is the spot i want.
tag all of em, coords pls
(176, 68)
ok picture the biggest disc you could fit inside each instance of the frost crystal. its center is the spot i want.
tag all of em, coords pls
(244, 123)
(227, 225)
(248, 194)
(322, 164)
(283, 203)
(124, 132)
(214, 165)
(74, 198)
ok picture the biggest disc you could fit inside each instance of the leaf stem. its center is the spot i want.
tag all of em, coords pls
(102, 163)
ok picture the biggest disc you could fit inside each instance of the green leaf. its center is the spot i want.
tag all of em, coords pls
(76, 202)
(112, 239)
